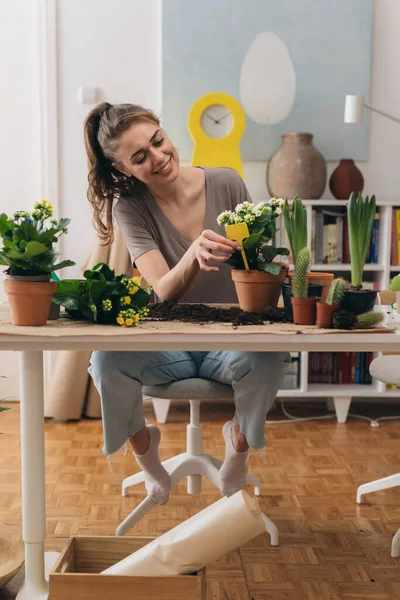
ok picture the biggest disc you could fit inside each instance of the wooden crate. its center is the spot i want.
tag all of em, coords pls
(75, 576)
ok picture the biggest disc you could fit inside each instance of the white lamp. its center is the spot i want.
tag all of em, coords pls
(354, 110)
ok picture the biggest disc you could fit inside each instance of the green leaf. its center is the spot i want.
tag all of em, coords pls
(63, 264)
(5, 225)
(273, 268)
(103, 268)
(252, 240)
(270, 252)
(68, 293)
(97, 290)
(31, 250)
(94, 275)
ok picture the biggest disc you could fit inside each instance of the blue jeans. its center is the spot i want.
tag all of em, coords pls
(119, 377)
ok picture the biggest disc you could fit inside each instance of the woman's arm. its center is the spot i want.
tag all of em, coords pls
(172, 284)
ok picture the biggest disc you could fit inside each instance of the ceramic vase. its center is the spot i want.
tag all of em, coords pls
(345, 179)
(297, 167)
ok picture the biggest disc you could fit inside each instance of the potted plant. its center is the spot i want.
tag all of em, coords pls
(103, 297)
(325, 310)
(361, 213)
(260, 286)
(343, 319)
(304, 309)
(28, 252)
(395, 287)
(295, 221)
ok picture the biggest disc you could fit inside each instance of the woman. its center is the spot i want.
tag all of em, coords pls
(168, 217)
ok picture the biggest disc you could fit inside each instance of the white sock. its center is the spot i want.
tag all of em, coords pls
(156, 478)
(233, 471)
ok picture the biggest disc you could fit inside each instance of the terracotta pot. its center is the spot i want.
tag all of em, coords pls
(325, 314)
(345, 179)
(257, 290)
(29, 301)
(325, 279)
(304, 310)
(297, 167)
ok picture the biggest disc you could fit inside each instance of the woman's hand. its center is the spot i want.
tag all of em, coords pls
(209, 241)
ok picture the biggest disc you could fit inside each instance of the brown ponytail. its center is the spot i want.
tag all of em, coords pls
(103, 127)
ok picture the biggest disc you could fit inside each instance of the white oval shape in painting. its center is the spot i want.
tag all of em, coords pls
(267, 80)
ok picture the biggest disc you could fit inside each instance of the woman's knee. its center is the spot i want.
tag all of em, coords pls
(265, 363)
(101, 365)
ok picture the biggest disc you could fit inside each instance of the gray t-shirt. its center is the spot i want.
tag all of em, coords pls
(145, 227)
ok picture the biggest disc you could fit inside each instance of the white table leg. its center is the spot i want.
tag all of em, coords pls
(35, 586)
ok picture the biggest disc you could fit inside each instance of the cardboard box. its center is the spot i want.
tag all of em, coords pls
(76, 574)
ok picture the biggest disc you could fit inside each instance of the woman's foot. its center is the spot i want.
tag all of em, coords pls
(156, 478)
(232, 474)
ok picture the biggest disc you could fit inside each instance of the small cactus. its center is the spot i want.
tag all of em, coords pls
(299, 280)
(336, 292)
(369, 319)
(343, 319)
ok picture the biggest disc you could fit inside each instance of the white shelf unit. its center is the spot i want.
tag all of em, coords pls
(340, 395)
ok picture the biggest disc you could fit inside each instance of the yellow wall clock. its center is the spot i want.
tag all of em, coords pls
(216, 124)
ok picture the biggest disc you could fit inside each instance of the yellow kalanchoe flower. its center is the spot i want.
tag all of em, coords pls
(125, 300)
(120, 321)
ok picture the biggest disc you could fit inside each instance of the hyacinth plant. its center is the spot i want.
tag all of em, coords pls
(103, 297)
(361, 213)
(261, 221)
(28, 241)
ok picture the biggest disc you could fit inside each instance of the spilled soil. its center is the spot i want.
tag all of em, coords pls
(202, 313)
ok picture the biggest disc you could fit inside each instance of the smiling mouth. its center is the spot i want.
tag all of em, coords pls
(164, 168)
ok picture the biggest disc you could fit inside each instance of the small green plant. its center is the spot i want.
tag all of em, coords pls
(261, 221)
(299, 279)
(28, 240)
(343, 319)
(395, 284)
(361, 213)
(104, 297)
(336, 291)
(295, 220)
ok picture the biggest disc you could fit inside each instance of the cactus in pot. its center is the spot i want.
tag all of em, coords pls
(343, 319)
(334, 298)
(304, 307)
(299, 279)
(336, 292)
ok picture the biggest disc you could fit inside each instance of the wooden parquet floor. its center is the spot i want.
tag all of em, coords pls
(330, 548)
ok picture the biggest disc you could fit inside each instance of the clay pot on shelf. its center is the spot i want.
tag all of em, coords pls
(325, 314)
(304, 310)
(297, 167)
(345, 179)
(257, 290)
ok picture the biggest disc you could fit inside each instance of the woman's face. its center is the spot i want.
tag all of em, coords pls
(148, 154)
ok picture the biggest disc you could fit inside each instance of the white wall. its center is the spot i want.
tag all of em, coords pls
(115, 47)
(20, 166)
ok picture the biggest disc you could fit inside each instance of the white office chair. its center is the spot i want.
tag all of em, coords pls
(386, 369)
(194, 463)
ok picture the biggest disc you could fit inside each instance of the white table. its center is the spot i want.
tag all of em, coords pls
(30, 345)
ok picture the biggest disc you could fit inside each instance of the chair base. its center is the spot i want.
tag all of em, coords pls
(194, 468)
(375, 486)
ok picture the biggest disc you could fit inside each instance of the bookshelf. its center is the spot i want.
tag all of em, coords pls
(340, 395)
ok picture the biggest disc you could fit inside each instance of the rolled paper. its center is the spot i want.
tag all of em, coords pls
(208, 535)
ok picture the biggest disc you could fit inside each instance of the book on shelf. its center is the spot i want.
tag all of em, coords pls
(339, 367)
(395, 237)
(329, 237)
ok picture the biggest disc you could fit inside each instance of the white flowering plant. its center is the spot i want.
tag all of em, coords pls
(28, 241)
(261, 221)
(103, 297)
